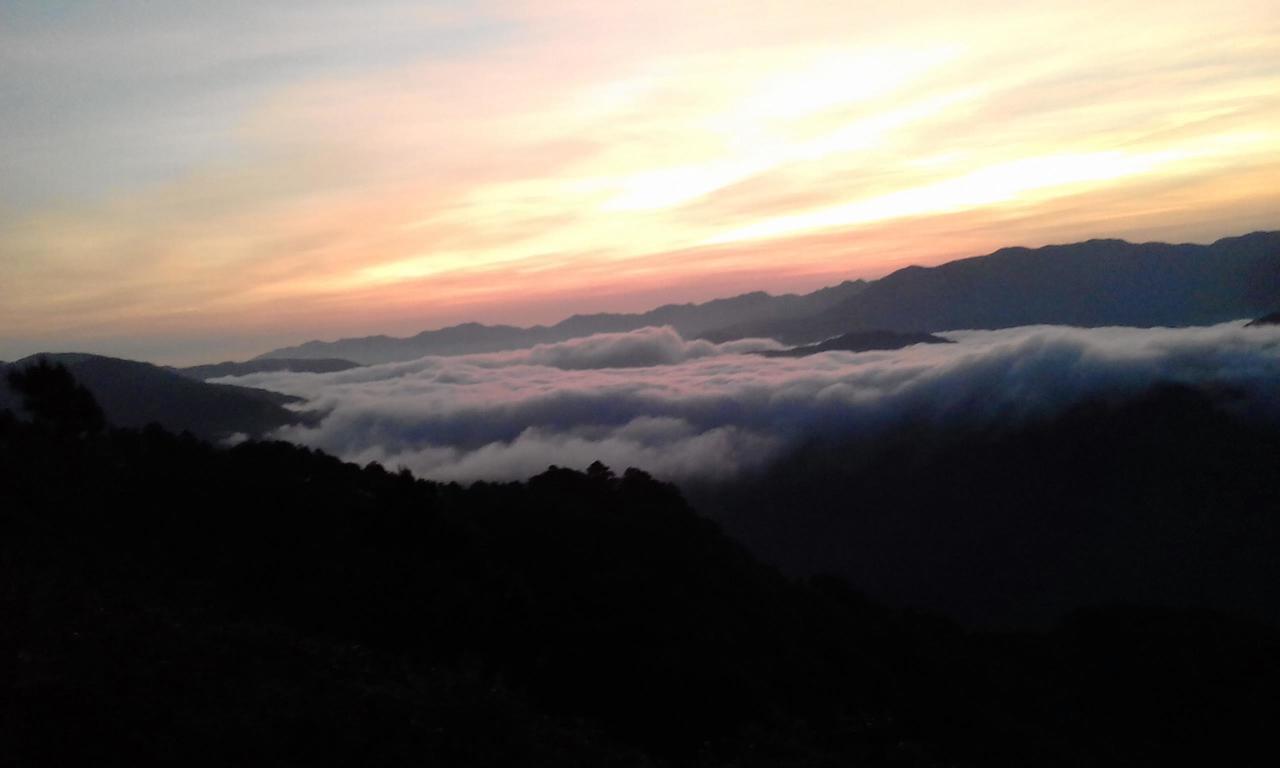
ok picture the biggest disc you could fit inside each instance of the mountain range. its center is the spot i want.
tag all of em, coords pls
(229, 368)
(691, 320)
(1097, 587)
(1093, 283)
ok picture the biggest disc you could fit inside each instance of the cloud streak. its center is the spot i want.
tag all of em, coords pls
(692, 410)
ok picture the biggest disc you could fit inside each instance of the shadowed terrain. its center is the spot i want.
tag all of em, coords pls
(134, 394)
(167, 601)
(1169, 498)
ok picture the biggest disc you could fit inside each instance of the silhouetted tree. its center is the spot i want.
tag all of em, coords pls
(598, 471)
(51, 394)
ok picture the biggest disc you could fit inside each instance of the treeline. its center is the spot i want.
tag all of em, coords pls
(163, 601)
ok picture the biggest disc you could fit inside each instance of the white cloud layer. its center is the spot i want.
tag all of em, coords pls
(695, 410)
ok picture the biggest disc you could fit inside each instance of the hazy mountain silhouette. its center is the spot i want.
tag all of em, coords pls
(1271, 319)
(1089, 284)
(468, 338)
(218, 370)
(859, 341)
(133, 394)
(1094, 283)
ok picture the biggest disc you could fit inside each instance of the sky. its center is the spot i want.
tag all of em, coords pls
(187, 181)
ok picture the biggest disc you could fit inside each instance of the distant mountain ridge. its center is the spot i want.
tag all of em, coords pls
(229, 368)
(1089, 284)
(859, 341)
(469, 338)
(134, 394)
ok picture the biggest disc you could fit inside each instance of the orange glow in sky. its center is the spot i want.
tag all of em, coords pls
(325, 169)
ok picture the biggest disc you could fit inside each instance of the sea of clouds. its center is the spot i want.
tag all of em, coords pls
(687, 410)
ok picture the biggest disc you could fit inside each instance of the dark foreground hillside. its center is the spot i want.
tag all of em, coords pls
(1171, 497)
(134, 394)
(166, 602)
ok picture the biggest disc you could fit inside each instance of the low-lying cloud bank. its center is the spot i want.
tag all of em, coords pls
(695, 410)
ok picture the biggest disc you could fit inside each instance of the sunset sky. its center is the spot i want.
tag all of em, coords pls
(188, 181)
